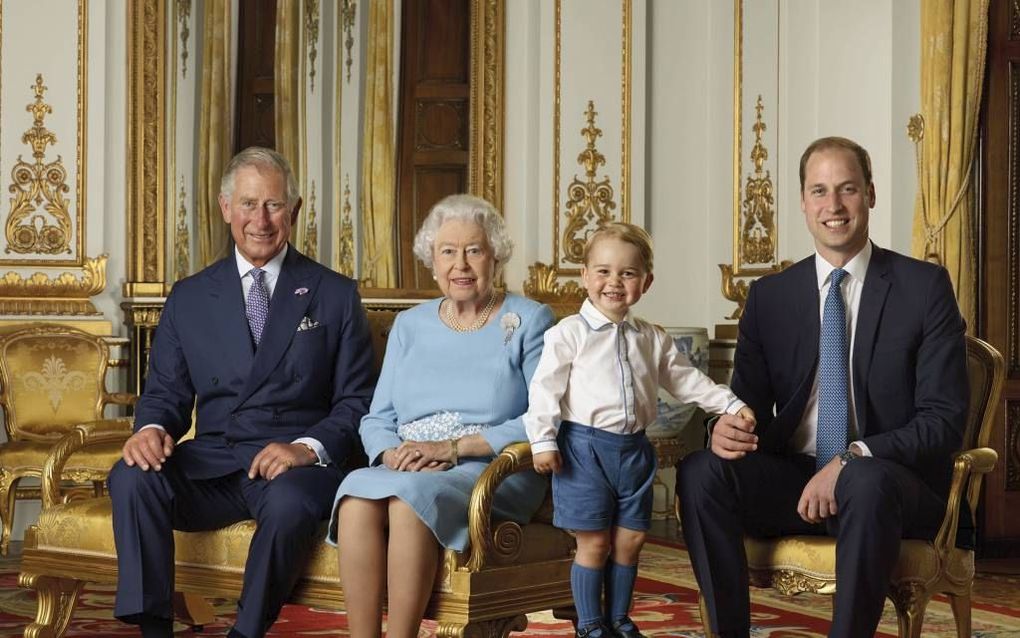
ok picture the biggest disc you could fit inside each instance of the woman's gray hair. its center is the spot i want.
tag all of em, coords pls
(465, 208)
(260, 158)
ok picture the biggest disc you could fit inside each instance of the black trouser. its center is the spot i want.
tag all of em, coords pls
(879, 502)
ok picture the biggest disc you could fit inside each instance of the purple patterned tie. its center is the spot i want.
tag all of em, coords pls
(257, 304)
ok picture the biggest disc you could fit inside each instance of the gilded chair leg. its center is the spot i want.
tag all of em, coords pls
(193, 610)
(961, 613)
(8, 495)
(497, 628)
(910, 600)
(706, 622)
(56, 600)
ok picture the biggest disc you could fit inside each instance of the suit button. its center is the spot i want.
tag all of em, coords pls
(215, 380)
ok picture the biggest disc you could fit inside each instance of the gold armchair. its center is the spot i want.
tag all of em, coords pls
(796, 564)
(51, 379)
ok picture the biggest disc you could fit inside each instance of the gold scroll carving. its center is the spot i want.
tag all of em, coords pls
(348, 11)
(182, 239)
(183, 18)
(311, 244)
(39, 221)
(65, 294)
(589, 202)
(345, 245)
(312, 37)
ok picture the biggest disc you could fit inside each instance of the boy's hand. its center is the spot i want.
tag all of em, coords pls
(546, 462)
(733, 435)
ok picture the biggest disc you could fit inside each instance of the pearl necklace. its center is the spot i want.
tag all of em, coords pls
(479, 320)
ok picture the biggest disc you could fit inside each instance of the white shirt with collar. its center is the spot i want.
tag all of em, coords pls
(804, 437)
(606, 375)
(271, 276)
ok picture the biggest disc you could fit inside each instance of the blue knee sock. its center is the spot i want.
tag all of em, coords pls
(586, 585)
(619, 590)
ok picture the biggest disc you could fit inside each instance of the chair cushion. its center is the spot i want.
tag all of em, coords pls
(85, 527)
(15, 455)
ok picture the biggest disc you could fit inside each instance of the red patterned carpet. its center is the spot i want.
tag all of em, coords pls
(665, 605)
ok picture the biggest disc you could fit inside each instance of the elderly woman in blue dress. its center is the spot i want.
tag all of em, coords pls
(453, 389)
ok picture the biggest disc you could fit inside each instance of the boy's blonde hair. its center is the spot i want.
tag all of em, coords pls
(629, 233)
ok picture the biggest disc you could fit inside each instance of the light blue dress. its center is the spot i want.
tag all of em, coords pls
(482, 377)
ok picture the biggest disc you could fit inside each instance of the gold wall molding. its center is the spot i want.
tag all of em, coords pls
(183, 19)
(348, 13)
(485, 170)
(590, 201)
(345, 241)
(312, 37)
(182, 238)
(146, 159)
(311, 244)
(37, 188)
(543, 285)
(755, 230)
(625, 102)
(45, 238)
(64, 294)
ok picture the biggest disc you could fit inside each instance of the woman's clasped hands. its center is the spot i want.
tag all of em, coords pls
(419, 456)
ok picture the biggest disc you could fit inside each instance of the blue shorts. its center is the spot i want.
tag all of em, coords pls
(606, 479)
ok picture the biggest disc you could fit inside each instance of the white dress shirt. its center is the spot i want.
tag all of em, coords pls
(804, 437)
(606, 375)
(271, 276)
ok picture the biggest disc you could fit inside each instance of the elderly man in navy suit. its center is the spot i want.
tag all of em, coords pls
(854, 362)
(272, 351)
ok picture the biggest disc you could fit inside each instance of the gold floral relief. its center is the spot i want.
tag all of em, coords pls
(54, 380)
(182, 237)
(39, 221)
(312, 37)
(345, 245)
(183, 19)
(65, 294)
(758, 228)
(590, 201)
(311, 245)
(348, 12)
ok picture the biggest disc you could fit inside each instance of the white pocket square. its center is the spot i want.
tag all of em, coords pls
(307, 323)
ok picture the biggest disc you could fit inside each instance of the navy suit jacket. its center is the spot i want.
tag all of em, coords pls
(316, 383)
(909, 361)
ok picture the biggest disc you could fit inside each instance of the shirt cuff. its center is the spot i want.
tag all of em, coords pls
(736, 405)
(544, 446)
(317, 447)
(863, 448)
(152, 425)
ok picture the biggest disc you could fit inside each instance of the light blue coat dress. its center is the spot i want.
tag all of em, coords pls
(483, 377)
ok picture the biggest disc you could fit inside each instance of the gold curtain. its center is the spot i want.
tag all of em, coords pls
(953, 42)
(287, 85)
(378, 182)
(214, 131)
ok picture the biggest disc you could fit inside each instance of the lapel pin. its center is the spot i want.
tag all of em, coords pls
(300, 291)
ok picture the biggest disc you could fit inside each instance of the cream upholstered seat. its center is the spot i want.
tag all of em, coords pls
(508, 571)
(52, 378)
(795, 564)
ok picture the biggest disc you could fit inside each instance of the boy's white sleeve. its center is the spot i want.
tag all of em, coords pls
(690, 385)
(548, 385)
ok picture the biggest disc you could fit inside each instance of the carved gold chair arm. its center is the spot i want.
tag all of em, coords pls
(514, 458)
(968, 466)
(121, 398)
(82, 435)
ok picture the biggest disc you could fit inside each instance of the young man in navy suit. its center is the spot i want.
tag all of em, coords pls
(272, 351)
(861, 401)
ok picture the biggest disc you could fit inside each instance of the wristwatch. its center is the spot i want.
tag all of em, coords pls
(846, 457)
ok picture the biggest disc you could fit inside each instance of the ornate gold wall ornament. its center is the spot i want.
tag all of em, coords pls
(542, 285)
(485, 168)
(311, 245)
(65, 294)
(589, 202)
(146, 116)
(348, 11)
(38, 187)
(758, 228)
(183, 19)
(345, 243)
(915, 128)
(312, 37)
(182, 238)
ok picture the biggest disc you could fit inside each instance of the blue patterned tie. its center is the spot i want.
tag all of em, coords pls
(257, 304)
(833, 408)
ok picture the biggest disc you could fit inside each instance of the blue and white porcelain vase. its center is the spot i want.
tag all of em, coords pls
(674, 415)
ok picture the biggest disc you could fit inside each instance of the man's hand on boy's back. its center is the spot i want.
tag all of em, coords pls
(546, 462)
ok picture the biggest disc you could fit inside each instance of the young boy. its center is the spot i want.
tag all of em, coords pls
(591, 398)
